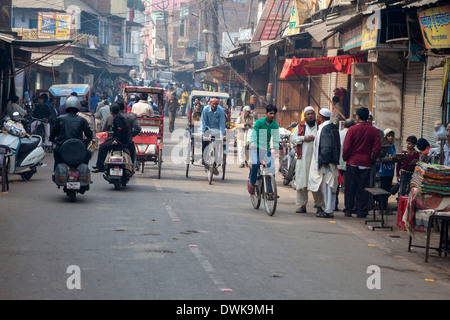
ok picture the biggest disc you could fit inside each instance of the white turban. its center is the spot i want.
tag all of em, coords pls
(309, 108)
(247, 108)
(325, 112)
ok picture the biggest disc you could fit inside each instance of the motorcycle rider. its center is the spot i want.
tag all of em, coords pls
(70, 126)
(122, 134)
(42, 111)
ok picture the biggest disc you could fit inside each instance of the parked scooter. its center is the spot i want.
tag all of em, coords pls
(28, 150)
(287, 167)
(72, 174)
(118, 167)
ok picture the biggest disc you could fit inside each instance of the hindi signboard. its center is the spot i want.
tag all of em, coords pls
(435, 27)
(53, 25)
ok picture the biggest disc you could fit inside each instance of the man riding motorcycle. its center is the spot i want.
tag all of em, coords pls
(70, 126)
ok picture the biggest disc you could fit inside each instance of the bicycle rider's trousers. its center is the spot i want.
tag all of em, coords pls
(260, 154)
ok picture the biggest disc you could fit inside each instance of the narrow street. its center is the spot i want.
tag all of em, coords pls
(179, 238)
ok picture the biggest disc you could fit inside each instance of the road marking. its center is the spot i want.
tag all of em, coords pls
(171, 213)
(209, 268)
(157, 184)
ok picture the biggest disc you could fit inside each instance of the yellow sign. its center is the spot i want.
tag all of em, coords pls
(52, 25)
(369, 34)
(435, 26)
(298, 13)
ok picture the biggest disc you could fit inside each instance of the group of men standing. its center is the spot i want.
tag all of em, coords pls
(318, 144)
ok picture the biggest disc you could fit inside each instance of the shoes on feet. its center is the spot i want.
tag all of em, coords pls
(302, 209)
(323, 214)
(242, 166)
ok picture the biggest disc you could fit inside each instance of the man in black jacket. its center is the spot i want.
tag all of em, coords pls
(324, 175)
(70, 126)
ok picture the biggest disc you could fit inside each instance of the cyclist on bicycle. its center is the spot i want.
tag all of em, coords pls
(264, 130)
(213, 123)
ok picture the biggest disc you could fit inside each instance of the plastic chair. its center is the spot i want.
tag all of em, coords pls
(402, 203)
(5, 153)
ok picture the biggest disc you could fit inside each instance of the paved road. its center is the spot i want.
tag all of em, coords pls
(180, 238)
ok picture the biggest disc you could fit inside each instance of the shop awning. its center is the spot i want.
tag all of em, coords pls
(323, 65)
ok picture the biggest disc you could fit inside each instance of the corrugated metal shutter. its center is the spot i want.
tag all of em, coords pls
(412, 101)
(433, 108)
(342, 81)
(324, 103)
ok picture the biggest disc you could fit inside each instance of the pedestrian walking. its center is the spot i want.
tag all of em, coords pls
(172, 106)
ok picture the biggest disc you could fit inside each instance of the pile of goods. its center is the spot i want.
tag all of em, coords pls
(431, 178)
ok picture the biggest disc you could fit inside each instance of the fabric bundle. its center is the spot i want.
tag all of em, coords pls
(431, 178)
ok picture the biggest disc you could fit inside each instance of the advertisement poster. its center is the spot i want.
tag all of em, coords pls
(435, 27)
(369, 35)
(52, 25)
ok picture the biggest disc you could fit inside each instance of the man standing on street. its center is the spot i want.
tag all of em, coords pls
(303, 138)
(324, 174)
(361, 148)
(244, 124)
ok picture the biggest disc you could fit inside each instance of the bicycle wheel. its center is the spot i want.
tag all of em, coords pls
(270, 194)
(256, 198)
(211, 163)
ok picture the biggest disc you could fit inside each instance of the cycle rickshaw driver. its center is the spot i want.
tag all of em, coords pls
(213, 123)
(264, 130)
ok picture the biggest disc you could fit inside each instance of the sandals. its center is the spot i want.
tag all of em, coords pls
(250, 188)
(323, 214)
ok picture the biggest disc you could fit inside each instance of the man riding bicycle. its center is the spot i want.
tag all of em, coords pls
(213, 123)
(264, 130)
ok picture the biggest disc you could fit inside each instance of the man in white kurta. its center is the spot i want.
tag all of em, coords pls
(244, 124)
(305, 141)
(324, 177)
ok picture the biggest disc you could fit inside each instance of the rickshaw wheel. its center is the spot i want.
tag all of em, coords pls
(159, 163)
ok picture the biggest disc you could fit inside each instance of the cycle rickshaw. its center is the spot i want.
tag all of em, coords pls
(149, 143)
(214, 157)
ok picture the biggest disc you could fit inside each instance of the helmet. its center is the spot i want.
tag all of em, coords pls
(73, 102)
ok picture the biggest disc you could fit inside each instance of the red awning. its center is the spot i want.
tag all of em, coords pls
(342, 64)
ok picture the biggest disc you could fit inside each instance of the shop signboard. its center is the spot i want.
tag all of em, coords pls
(435, 27)
(53, 25)
(351, 36)
(369, 33)
(274, 17)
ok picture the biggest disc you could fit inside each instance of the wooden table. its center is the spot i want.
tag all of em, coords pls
(378, 193)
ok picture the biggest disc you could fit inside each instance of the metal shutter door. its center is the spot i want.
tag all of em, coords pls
(412, 101)
(433, 107)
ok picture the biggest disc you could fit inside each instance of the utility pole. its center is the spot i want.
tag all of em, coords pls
(163, 6)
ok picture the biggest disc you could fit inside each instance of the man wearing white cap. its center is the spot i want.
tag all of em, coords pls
(244, 124)
(303, 138)
(324, 173)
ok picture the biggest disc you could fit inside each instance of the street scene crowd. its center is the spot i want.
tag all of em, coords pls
(332, 154)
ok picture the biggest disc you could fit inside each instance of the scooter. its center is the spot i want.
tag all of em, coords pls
(287, 167)
(118, 166)
(72, 174)
(28, 150)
